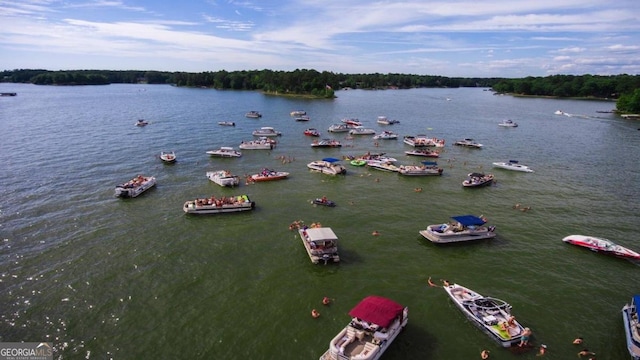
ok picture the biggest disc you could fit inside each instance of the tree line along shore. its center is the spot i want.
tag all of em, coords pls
(623, 88)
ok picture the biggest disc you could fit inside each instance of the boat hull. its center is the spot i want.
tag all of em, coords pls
(198, 207)
(601, 245)
(632, 335)
(463, 236)
(131, 190)
(279, 175)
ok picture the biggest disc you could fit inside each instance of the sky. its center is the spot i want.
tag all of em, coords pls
(452, 38)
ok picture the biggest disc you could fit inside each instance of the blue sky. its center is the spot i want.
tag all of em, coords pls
(465, 38)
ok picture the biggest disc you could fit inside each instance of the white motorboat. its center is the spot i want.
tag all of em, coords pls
(226, 123)
(223, 178)
(382, 120)
(491, 315)
(328, 166)
(267, 131)
(168, 157)
(135, 186)
(382, 165)
(260, 144)
(339, 128)
(321, 244)
(253, 115)
(423, 152)
(468, 143)
(375, 323)
(508, 123)
(512, 165)
(298, 113)
(478, 180)
(269, 175)
(141, 123)
(303, 118)
(386, 135)
(326, 143)
(423, 141)
(213, 205)
(632, 327)
(463, 228)
(359, 130)
(427, 168)
(601, 245)
(225, 151)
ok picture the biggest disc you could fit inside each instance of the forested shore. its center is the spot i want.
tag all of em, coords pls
(625, 89)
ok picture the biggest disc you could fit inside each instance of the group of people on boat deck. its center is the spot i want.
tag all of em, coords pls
(135, 182)
(218, 201)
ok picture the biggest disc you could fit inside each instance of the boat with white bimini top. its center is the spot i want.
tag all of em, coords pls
(512, 165)
(168, 157)
(225, 151)
(386, 135)
(632, 326)
(601, 245)
(321, 244)
(223, 178)
(491, 315)
(375, 323)
(427, 168)
(213, 205)
(135, 186)
(262, 143)
(423, 141)
(508, 123)
(266, 131)
(468, 143)
(329, 166)
(339, 128)
(463, 228)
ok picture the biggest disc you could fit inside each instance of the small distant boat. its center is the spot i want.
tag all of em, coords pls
(382, 120)
(375, 323)
(321, 244)
(269, 175)
(263, 143)
(135, 187)
(223, 178)
(142, 122)
(427, 168)
(312, 132)
(298, 113)
(352, 122)
(478, 179)
(225, 151)
(463, 228)
(423, 152)
(359, 130)
(468, 143)
(214, 205)
(266, 131)
(253, 115)
(386, 135)
(631, 330)
(423, 141)
(168, 156)
(303, 118)
(512, 165)
(601, 245)
(226, 123)
(329, 166)
(8, 94)
(560, 112)
(508, 123)
(324, 202)
(382, 165)
(339, 128)
(326, 143)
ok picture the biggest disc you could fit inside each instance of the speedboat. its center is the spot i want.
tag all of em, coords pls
(382, 165)
(213, 205)
(226, 123)
(478, 180)
(386, 135)
(225, 151)
(135, 186)
(223, 178)
(326, 143)
(321, 244)
(468, 143)
(423, 141)
(491, 315)
(261, 144)
(352, 122)
(382, 120)
(142, 122)
(311, 132)
(359, 130)
(339, 128)
(324, 202)
(253, 115)
(328, 166)
(269, 175)
(427, 168)
(375, 323)
(377, 157)
(508, 123)
(632, 327)
(303, 118)
(298, 113)
(512, 165)
(463, 228)
(266, 131)
(602, 245)
(423, 152)
(168, 156)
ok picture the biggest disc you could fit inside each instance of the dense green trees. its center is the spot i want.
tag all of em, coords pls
(629, 103)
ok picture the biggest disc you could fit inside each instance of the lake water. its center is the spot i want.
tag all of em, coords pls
(102, 277)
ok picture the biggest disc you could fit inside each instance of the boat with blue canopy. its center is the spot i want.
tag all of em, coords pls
(329, 165)
(462, 228)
